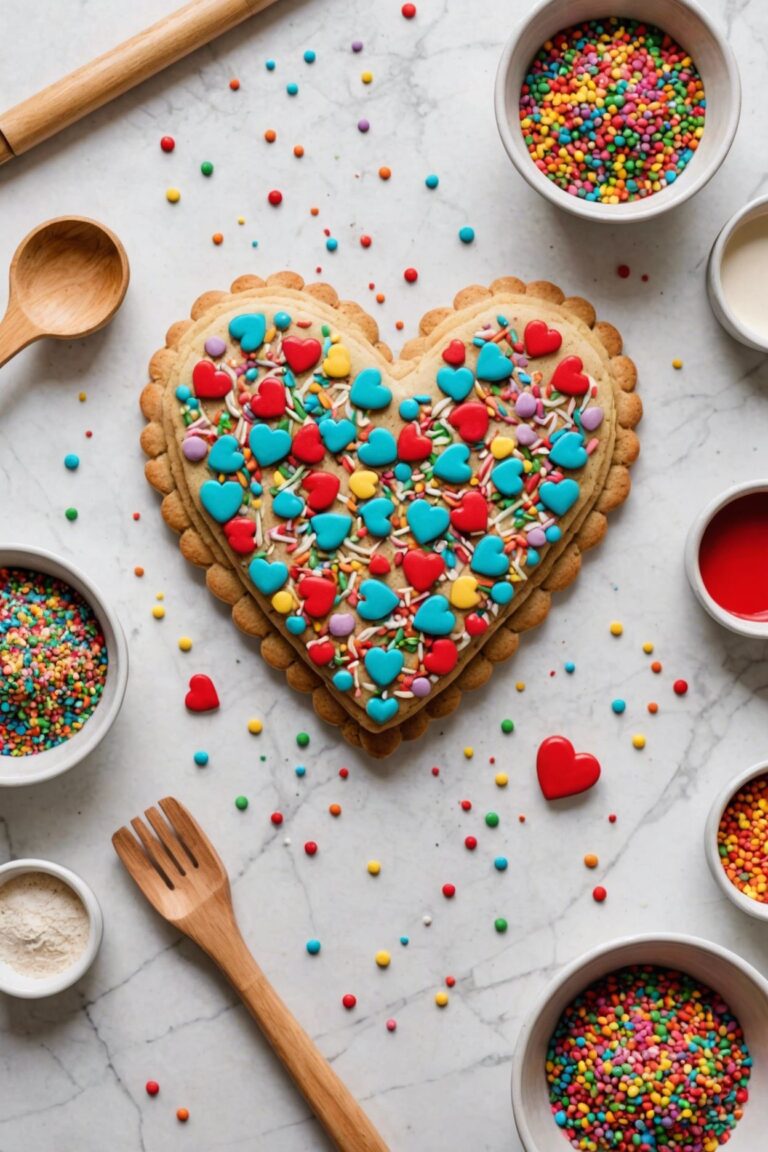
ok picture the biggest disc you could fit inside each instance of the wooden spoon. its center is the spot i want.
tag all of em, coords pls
(68, 278)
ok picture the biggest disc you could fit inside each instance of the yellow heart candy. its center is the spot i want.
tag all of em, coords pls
(463, 592)
(363, 484)
(501, 447)
(338, 362)
(282, 602)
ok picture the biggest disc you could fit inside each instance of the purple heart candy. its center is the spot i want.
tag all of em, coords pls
(525, 435)
(421, 686)
(341, 624)
(592, 418)
(215, 347)
(526, 405)
(537, 538)
(194, 448)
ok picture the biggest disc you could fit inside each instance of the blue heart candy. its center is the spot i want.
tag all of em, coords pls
(492, 364)
(568, 451)
(268, 578)
(225, 455)
(435, 617)
(559, 497)
(337, 435)
(455, 382)
(368, 391)
(378, 600)
(384, 665)
(426, 521)
(376, 514)
(343, 680)
(489, 558)
(508, 476)
(382, 710)
(379, 449)
(269, 445)
(288, 505)
(249, 329)
(222, 501)
(331, 529)
(452, 464)
(296, 625)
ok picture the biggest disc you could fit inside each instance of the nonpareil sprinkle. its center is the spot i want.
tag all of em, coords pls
(742, 839)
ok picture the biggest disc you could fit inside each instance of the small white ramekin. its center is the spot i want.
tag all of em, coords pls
(14, 983)
(18, 771)
(692, 28)
(741, 986)
(717, 298)
(745, 903)
(757, 629)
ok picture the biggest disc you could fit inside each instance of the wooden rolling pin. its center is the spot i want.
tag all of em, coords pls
(115, 72)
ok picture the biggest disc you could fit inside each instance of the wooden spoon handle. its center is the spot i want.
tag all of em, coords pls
(113, 73)
(16, 331)
(331, 1101)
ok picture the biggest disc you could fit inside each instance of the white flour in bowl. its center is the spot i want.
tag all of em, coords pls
(44, 925)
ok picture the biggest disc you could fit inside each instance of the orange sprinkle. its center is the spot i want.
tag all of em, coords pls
(656, 666)
(385, 172)
(138, 570)
(298, 150)
(217, 238)
(314, 211)
(270, 135)
(653, 708)
(334, 809)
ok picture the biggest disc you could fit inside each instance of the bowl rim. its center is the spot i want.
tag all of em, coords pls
(551, 989)
(714, 816)
(66, 755)
(755, 629)
(736, 327)
(27, 989)
(654, 205)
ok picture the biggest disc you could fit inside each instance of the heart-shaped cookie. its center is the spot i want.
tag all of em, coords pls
(406, 523)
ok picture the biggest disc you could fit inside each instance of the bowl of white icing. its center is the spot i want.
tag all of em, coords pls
(737, 275)
(50, 928)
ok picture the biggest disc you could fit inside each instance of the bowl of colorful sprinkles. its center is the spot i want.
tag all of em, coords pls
(645, 1043)
(620, 115)
(64, 664)
(736, 841)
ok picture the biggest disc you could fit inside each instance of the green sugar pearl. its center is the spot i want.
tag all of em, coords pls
(507, 726)
(206, 168)
(241, 802)
(500, 924)
(302, 739)
(492, 819)
(71, 513)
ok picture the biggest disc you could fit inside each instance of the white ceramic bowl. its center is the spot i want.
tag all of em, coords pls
(717, 298)
(745, 903)
(16, 771)
(740, 985)
(691, 27)
(33, 988)
(757, 629)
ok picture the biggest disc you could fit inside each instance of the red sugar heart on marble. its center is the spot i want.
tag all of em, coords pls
(202, 696)
(568, 377)
(562, 771)
(541, 340)
(209, 383)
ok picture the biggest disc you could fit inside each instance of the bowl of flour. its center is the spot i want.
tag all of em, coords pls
(50, 928)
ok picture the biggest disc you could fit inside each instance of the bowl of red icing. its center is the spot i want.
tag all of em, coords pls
(726, 557)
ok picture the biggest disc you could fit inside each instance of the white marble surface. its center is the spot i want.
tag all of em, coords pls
(72, 1069)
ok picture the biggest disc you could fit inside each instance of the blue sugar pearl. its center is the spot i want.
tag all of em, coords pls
(310, 56)
(201, 758)
(271, 65)
(292, 89)
(409, 409)
(313, 947)
(251, 373)
(331, 243)
(501, 863)
(282, 321)
(570, 666)
(432, 181)
(466, 234)
(618, 706)
(403, 472)
(404, 940)
(300, 770)
(71, 461)
(183, 393)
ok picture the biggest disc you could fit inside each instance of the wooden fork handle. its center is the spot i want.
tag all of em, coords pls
(331, 1101)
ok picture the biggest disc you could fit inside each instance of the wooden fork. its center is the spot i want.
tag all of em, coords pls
(180, 873)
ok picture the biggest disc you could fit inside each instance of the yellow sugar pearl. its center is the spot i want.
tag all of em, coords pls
(185, 644)
(591, 860)
(366, 77)
(159, 595)
(282, 602)
(374, 867)
(241, 219)
(647, 647)
(441, 999)
(82, 397)
(463, 592)
(638, 741)
(468, 752)
(363, 484)
(617, 628)
(502, 446)
(520, 686)
(255, 726)
(173, 195)
(158, 611)
(677, 363)
(501, 779)
(382, 959)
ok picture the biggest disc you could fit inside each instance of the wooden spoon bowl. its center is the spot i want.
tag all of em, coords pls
(68, 277)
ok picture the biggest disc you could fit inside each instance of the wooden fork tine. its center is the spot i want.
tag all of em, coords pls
(159, 857)
(138, 867)
(172, 845)
(191, 834)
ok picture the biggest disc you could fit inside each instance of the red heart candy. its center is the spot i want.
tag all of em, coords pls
(568, 377)
(322, 652)
(563, 772)
(442, 657)
(269, 402)
(301, 355)
(322, 488)
(202, 696)
(471, 514)
(540, 340)
(475, 625)
(209, 383)
(411, 446)
(378, 565)
(422, 569)
(318, 595)
(240, 534)
(455, 354)
(307, 445)
(470, 421)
